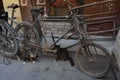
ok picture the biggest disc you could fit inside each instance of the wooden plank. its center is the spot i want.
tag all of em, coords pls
(101, 8)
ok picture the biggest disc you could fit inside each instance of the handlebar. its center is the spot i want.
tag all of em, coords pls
(70, 6)
(13, 6)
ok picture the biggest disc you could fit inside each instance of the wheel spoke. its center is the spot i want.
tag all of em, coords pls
(94, 60)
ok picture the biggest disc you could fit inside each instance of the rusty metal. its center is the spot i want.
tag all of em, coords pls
(79, 25)
(98, 32)
(54, 17)
(92, 4)
(101, 18)
(79, 28)
(68, 37)
(63, 36)
(100, 10)
(46, 49)
(99, 22)
(97, 14)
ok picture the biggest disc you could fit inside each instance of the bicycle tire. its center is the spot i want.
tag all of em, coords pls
(9, 42)
(99, 63)
(27, 27)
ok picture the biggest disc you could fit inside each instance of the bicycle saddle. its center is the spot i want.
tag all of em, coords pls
(37, 9)
(13, 6)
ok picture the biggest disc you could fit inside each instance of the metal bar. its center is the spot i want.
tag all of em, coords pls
(99, 22)
(88, 15)
(93, 39)
(98, 32)
(91, 4)
(114, 26)
(52, 37)
(44, 49)
(71, 45)
(103, 39)
(12, 20)
(68, 37)
(108, 17)
(63, 36)
(56, 17)
(35, 45)
(73, 37)
(53, 19)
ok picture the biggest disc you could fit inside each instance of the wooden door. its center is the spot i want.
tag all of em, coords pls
(112, 7)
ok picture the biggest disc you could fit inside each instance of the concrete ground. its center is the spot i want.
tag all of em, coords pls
(47, 69)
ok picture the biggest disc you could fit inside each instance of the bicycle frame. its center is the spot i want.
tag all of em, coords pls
(59, 38)
(13, 7)
(78, 24)
(89, 50)
(76, 32)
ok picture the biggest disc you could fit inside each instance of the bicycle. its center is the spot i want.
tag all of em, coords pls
(8, 41)
(12, 18)
(89, 56)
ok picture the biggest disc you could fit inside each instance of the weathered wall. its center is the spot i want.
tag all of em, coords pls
(17, 13)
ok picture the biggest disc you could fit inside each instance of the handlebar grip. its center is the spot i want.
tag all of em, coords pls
(14, 6)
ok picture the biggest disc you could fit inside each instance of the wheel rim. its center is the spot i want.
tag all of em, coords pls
(8, 42)
(25, 34)
(93, 64)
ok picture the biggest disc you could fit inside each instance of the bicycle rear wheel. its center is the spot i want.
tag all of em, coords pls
(8, 41)
(26, 34)
(93, 60)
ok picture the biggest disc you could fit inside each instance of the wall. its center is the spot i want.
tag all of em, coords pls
(17, 13)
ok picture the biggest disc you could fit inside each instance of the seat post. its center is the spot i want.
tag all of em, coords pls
(12, 16)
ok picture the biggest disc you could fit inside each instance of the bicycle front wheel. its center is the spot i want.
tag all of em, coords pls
(8, 41)
(93, 60)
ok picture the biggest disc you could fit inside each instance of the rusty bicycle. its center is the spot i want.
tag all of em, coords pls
(91, 58)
